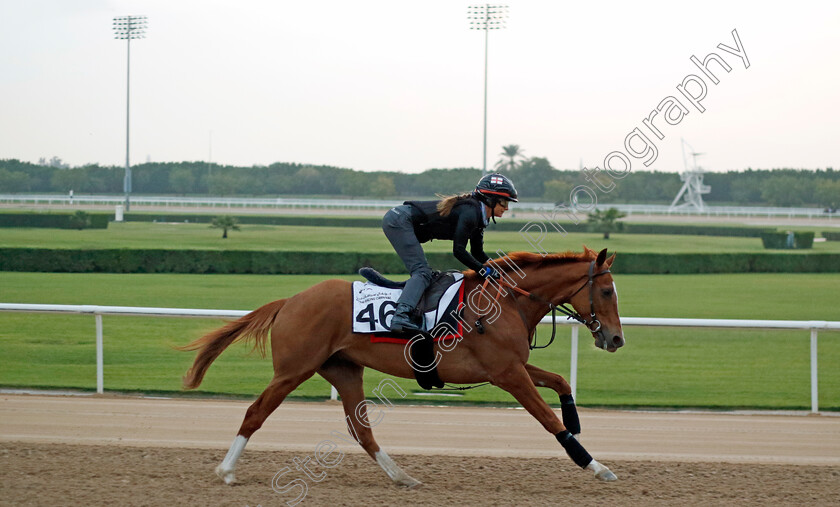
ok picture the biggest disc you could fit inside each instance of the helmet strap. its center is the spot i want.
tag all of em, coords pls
(488, 201)
(491, 203)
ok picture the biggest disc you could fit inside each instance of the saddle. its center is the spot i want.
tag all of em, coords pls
(441, 280)
(437, 306)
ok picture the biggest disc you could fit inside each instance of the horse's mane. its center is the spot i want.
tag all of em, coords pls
(528, 259)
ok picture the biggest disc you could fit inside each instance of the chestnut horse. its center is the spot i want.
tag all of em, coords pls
(307, 338)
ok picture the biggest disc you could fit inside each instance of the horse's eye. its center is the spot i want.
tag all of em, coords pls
(607, 293)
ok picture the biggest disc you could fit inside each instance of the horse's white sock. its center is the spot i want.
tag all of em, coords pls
(595, 466)
(394, 471)
(225, 469)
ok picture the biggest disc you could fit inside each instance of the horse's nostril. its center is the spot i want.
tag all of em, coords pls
(617, 341)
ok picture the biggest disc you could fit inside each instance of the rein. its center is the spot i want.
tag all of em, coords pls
(593, 324)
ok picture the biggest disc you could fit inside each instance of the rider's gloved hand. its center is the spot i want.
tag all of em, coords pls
(489, 272)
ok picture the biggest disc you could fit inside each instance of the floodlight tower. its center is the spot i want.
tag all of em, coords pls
(127, 28)
(486, 17)
(693, 187)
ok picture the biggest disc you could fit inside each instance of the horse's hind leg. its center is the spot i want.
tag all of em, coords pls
(347, 379)
(277, 390)
(542, 378)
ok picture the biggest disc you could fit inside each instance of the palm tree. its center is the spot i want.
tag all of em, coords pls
(606, 221)
(509, 154)
(224, 223)
(79, 220)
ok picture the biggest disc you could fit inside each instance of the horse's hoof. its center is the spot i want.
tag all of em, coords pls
(226, 475)
(601, 472)
(396, 473)
(606, 475)
(409, 482)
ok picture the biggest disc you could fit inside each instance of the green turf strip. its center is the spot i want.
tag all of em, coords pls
(715, 368)
(355, 239)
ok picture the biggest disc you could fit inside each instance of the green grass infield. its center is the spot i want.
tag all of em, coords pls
(190, 236)
(659, 368)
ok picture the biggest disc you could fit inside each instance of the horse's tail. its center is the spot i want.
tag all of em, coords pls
(256, 324)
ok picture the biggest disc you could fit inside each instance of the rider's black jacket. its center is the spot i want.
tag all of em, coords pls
(464, 223)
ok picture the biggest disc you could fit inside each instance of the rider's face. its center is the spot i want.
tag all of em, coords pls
(500, 208)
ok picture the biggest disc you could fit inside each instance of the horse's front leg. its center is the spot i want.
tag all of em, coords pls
(542, 378)
(517, 381)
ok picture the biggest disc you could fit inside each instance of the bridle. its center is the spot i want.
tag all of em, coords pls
(592, 323)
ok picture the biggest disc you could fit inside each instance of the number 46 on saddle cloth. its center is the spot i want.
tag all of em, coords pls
(373, 308)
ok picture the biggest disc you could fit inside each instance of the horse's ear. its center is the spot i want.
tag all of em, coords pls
(587, 251)
(610, 260)
(602, 256)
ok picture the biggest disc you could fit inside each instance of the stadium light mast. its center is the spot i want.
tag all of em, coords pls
(127, 28)
(486, 17)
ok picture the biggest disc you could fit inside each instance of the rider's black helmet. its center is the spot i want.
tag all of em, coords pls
(493, 187)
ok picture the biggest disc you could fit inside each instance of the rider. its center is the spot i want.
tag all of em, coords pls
(460, 218)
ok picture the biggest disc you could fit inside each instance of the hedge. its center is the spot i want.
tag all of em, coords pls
(697, 230)
(282, 262)
(831, 235)
(549, 222)
(787, 241)
(53, 220)
(635, 263)
(632, 228)
(194, 261)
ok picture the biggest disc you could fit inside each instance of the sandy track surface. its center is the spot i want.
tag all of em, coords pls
(463, 431)
(97, 450)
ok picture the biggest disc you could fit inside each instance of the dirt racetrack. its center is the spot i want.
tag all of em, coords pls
(57, 450)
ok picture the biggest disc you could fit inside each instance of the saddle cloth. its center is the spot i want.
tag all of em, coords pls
(373, 306)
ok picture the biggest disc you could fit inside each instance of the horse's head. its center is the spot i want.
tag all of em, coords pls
(582, 281)
(597, 301)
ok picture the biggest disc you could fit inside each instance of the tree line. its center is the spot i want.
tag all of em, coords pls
(535, 178)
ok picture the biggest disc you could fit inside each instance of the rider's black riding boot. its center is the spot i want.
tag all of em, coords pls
(402, 322)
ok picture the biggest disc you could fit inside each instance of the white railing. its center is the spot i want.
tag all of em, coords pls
(98, 311)
(270, 204)
(173, 203)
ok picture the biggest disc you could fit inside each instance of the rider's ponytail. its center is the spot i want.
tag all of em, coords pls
(447, 202)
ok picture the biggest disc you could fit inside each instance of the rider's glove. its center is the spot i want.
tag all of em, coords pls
(489, 272)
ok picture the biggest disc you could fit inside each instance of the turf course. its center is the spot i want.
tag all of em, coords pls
(658, 367)
(357, 239)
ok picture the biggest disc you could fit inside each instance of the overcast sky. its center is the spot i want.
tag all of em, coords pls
(393, 85)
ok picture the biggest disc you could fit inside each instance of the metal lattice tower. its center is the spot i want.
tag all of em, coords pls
(693, 188)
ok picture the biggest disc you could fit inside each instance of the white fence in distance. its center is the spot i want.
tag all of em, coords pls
(814, 326)
(268, 205)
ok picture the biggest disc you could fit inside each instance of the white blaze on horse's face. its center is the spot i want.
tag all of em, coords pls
(609, 336)
(615, 291)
